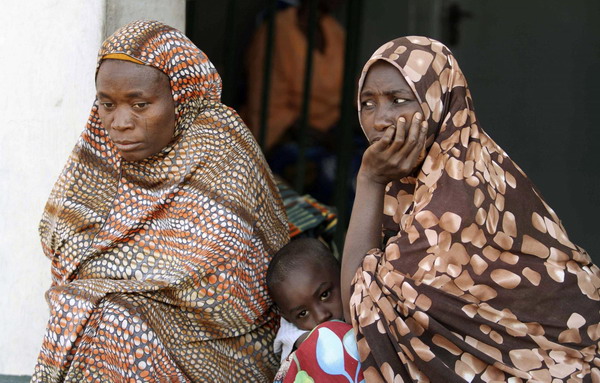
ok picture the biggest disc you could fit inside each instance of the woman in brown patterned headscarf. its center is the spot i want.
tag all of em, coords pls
(160, 228)
(478, 281)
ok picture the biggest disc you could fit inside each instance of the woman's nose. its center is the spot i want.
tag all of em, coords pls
(122, 119)
(383, 118)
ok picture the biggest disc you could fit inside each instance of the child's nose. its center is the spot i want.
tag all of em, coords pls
(323, 316)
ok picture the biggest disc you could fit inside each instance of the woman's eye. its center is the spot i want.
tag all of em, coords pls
(325, 295)
(367, 104)
(302, 314)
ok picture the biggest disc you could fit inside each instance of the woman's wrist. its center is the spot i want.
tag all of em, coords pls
(364, 177)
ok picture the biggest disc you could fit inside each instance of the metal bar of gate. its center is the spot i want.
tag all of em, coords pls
(230, 58)
(304, 115)
(266, 86)
(347, 119)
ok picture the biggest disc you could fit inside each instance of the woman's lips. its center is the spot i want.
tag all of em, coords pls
(127, 146)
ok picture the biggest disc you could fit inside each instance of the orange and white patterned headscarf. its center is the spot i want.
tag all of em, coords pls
(158, 265)
(479, 281)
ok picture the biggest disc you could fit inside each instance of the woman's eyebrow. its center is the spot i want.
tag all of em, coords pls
(132, 94)
(136, 93)
(398, 91)
(390, 92)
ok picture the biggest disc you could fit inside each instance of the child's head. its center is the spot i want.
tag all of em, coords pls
(304, 281)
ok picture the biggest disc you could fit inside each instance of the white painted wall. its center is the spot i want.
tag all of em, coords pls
(47, 68)
(121, 12)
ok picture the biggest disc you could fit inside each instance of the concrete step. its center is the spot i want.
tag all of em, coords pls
(14, 379)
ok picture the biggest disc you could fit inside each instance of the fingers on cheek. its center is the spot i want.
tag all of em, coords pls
(399, 136)
(417, 118)
(402, 126)
(385, 139)
(392, 131)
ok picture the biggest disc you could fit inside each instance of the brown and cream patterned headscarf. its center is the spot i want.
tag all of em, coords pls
(480, 281)
(158, 265)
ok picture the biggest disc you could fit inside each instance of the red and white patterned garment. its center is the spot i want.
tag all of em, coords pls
(158, 265)
(328, 354)
(480, 281)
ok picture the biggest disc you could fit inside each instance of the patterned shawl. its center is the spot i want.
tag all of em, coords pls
(479, 281)
(158, 265)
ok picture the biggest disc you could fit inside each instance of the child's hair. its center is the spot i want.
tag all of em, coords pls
(295, 253)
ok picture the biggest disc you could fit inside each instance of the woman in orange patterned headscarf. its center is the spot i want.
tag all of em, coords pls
(477, 280)
(160, 227)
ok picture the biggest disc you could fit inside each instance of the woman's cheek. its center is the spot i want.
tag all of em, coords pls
(367, 129)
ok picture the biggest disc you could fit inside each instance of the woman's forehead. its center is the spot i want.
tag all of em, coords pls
(384, 72)
(124, 69)
(111, 64)
(382, 65)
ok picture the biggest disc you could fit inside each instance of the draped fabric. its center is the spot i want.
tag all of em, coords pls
(158, 265)
(479, 280)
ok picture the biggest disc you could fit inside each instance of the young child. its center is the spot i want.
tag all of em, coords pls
(304, 281)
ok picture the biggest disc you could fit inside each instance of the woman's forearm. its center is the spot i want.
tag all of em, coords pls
(391, 157)
(364, 232)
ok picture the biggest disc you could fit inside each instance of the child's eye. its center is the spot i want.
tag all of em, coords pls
(325, 295)
(302, 314)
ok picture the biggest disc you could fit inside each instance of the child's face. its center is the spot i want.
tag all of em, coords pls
(310, 296)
